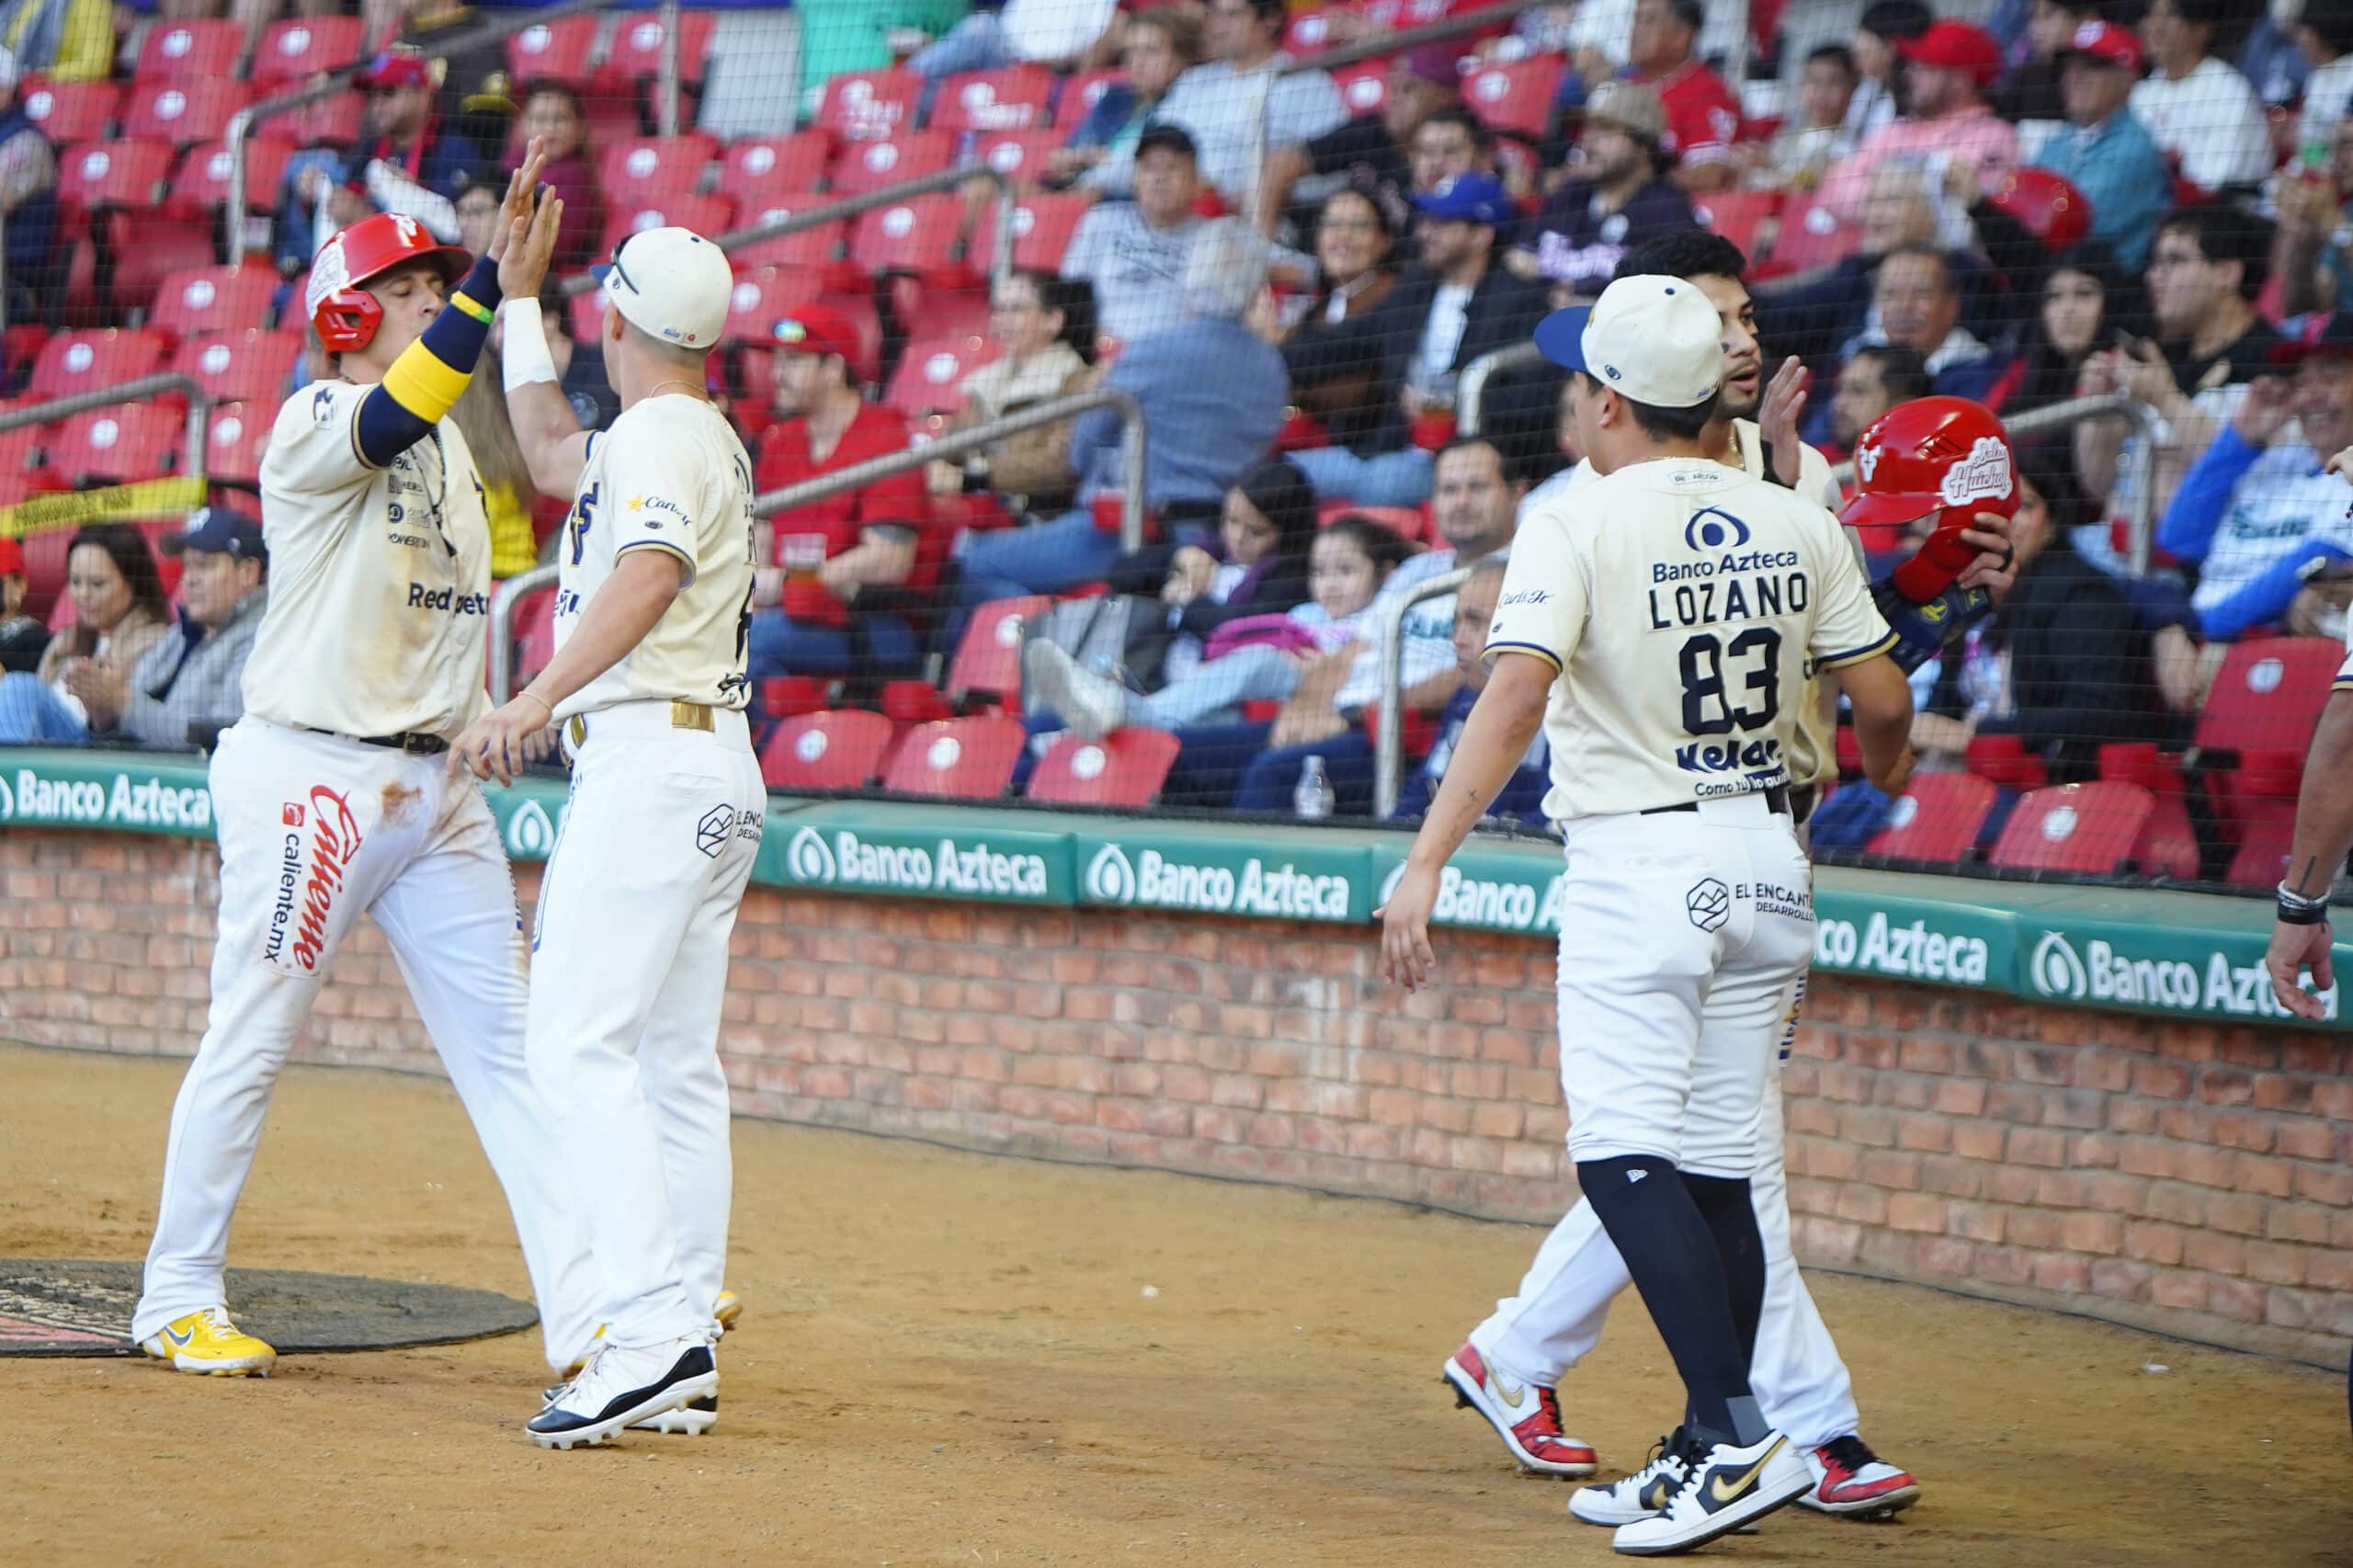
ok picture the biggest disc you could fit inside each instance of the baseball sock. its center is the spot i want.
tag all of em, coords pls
(1724, 1203)
(1673, 1255)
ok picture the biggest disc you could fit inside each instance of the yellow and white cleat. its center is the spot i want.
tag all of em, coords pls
(726, 1309)
(209, 1343)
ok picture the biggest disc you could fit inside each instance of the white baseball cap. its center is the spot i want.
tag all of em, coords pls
(1655, 340)
(671, 284)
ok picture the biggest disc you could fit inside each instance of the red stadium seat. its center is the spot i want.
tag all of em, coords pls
(252, 365)
(129, 440)
(2005, 760)
(1936, 819)
(2262, 858)
(183, 113)
(1012, 99)
(956, 313)
(649, 170)
(703, 214)
(757, 168)
(2268, 693)
(930, 372)
(534, 632)
(989, 657)
(1125, 768)
(67, 112)
(837, 750)
(916, 236)
(1016, 155)
(762, 298)
(233, 444)
(2084, 828)
(45, 553)
(2168, 842)
(213, 299)
(862, 166)
(113, 174)
(298, 48)
(202, 182)
(149, 251)
(330, 123)
(82, 361)
(789, 697)
(1364, 87)
(965, 759)
(1811, 236)
(1079, 94)
(635, 54)
(1737, 215)
(1310, 31)
(1043, 223)
(1514, 96)
(867, 106)
(810, 250)
(554, 52)
(199, 51)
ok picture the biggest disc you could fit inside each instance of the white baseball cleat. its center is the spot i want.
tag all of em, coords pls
(1640, 1494)
(1527, 1417)
(1854, 1483)
(1729, 1487)
(623, 1387)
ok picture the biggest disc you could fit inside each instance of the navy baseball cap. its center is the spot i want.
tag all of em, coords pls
(217, 530)
(1560, 338)
(1473, 198)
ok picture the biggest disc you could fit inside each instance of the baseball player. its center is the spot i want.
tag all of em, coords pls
(1556, 1316)
(648, 687)
(1669, 618)
(329, 796)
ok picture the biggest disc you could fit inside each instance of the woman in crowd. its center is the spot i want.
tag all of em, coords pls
(1257, 565)
(552, 113)
(2060, 664)
(120, 611)
(2086, 301)
(1044, 326)
(1334, 351)
(1248, 659)
(1098, 157)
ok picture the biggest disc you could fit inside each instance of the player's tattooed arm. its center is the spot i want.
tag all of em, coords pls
(1502, 724)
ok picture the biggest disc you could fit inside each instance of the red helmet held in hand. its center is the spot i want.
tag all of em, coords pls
(1940, 457)
(345, 314)
(2048, 204)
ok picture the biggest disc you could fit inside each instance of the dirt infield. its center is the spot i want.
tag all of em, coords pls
(951, 1359)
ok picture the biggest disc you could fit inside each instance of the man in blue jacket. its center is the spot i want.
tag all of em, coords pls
(2107, 154)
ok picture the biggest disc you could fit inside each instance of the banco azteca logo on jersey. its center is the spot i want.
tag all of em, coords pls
(1712, 528)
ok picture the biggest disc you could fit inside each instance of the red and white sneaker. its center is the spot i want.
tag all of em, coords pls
(1526, 1415)
(1851, 1481)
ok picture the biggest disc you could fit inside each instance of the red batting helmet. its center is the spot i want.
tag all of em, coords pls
(2049, 206)
(1945, 455)
(345, 314)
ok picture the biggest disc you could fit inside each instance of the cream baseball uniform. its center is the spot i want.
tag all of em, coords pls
(1684, 606)
(379, 586)
(630, 965)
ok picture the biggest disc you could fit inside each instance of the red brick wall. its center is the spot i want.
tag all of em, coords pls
(2175, 1175)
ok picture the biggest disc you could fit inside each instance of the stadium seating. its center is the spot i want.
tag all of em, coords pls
(253, 365)
(1515, 97)
(1018, 155)
(298, 48)
(635, 54)
(72, 111)
(1936, 819)
(1013, 98)
(182, 113)
(85, 362)
(555, 52)
(1043, 223)
(929, 369)
(128, 441)
(988, 658)
(233, 443)
(2088, 829)
(213, 299)
(202, 51)
(754, 171)
(970, 758)
(704, 214)
(867, 106)
(837, 750)
(860, 167)
(652, 170)
(201, 182)
(920, 234)
(1125, 768)
(114, 174)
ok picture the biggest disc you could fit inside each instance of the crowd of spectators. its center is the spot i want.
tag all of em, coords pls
(1292, 274)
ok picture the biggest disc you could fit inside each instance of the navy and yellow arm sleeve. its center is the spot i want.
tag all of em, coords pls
(428, 377)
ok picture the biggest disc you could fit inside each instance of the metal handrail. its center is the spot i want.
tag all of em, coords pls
(1000, 265)
(859, 475)
(241, 124)
(665, 84)
(2141, 518)
(1389, 745)
(199, 409)
(1471, 386)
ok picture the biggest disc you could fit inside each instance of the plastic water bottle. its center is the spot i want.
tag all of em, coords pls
(1312, 801)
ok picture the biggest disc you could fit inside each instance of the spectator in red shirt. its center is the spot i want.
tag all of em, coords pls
(1702, 116)
(849, 574)
(553, 113)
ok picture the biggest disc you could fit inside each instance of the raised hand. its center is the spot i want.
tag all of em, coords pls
(1779, 414)
(530, 247)
(521, 185)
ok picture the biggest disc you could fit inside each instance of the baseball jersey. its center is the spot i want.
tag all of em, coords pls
(669, 475)
(378, 577)
(1814, 747)
(1686, 607)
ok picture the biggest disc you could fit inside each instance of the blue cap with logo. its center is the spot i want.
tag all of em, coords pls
(218, 530)
(1472, 198)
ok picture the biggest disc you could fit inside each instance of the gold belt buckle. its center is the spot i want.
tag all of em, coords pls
(577, 728)
(690, 716)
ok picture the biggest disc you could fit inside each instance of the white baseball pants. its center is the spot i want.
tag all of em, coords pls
(629, 974)
(1641, 906)
(314, 829)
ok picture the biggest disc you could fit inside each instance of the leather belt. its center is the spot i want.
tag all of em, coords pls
(409, 742)
(683, 716)
(1776, 797)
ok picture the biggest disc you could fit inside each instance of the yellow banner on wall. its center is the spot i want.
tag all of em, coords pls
(116, 502)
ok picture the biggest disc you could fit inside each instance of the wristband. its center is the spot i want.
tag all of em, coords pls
(542, 702)
(525, 358)
(2295, 909)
